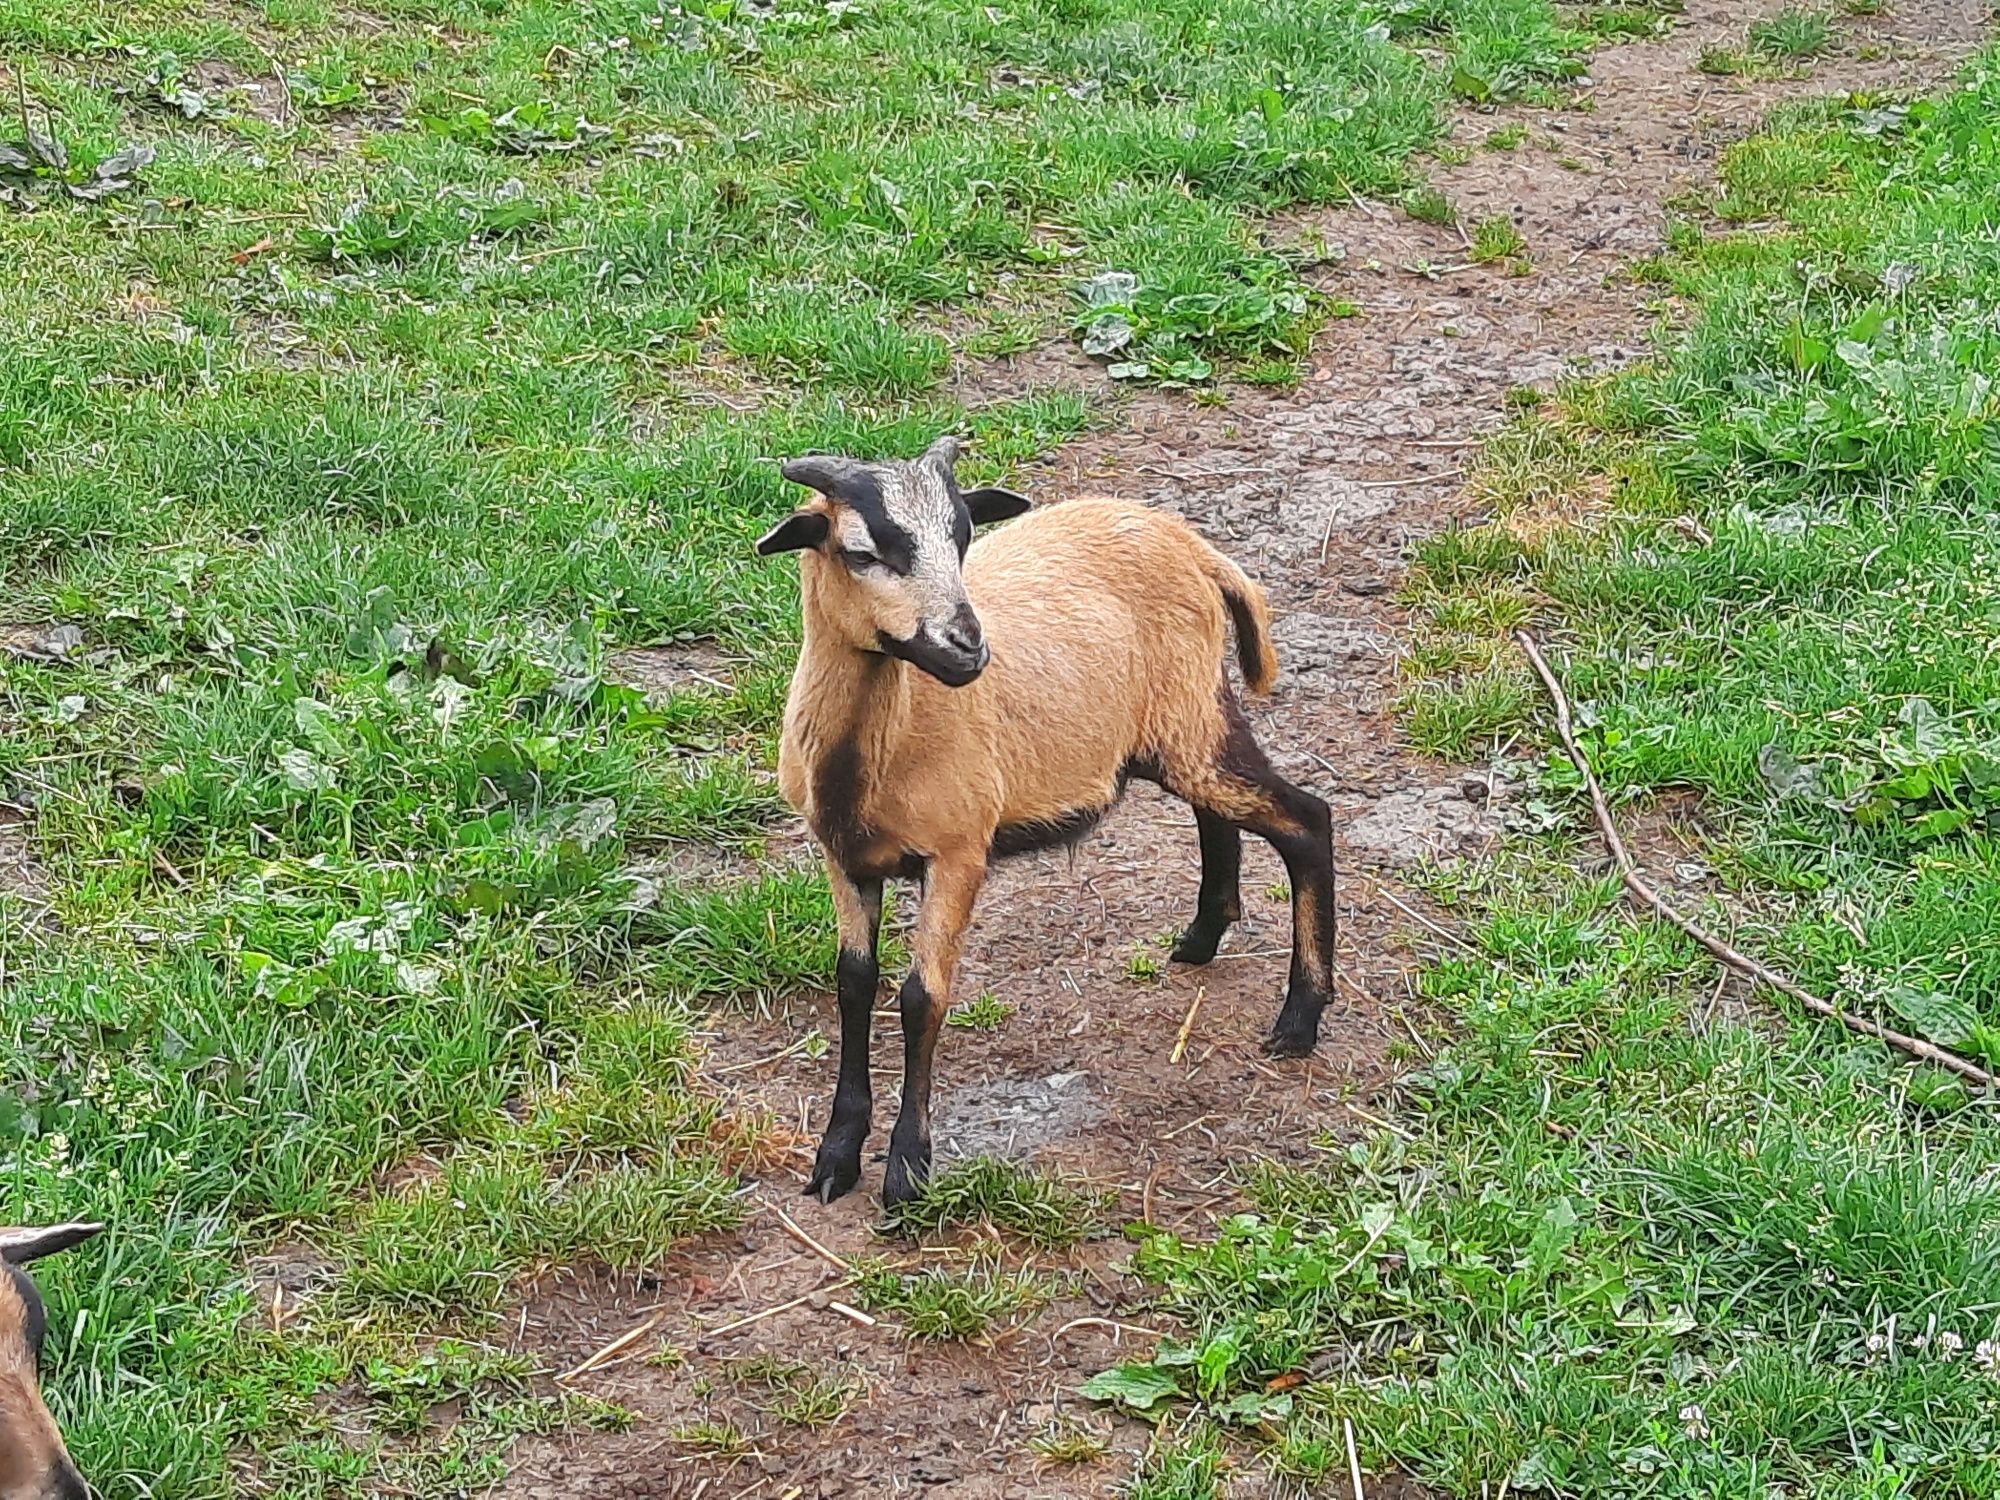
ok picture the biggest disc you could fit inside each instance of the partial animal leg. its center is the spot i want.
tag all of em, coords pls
(858, 903)
(951, 887)
(1242, 788)
(1221, 900)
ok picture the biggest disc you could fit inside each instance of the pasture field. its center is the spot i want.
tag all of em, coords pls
(358, 913)
(437, 351)
(1640, 1232)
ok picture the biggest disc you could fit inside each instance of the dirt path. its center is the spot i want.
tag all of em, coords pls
(1318, 494)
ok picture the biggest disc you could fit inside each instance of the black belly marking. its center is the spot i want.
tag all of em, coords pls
(1062, 830)
(1068, 829)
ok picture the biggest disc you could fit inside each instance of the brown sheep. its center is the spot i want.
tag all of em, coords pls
(34, 1464)
(957, 702)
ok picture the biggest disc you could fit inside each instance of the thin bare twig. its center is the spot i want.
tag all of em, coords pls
(1187, 1025)
(623, 1341)
(287, 112)
(853, 1314)
(1646, 896)
(769, 1312)
(808, 1241)
(1111, 1323)
(1412, 913)
(1353, 1458)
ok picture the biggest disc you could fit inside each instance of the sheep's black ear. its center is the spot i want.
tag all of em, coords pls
(992, 504)
(19, 1245)
(798, 532)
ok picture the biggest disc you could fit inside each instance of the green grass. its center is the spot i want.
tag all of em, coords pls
(794, 1392)
(1496, 238)
(969, 1302)
(1067, 1443)
(1793, 32)
(1635, 1233)
(355, 429)
(1181, 1466)
(1429, 205)
(1625, 22)
(1779, 45)
(985, 1012)
(1041, 1211)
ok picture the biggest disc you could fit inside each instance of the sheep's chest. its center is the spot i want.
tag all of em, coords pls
(831, 790)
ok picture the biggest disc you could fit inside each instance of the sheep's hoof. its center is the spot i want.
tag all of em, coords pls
(908, 1170)
(1197, 945)
(834, 1174)
(1293, 1040)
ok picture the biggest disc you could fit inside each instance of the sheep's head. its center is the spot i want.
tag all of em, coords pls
(34, 1465)
(890, 540)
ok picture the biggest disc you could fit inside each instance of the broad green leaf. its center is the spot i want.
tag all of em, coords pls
(1143, 1388)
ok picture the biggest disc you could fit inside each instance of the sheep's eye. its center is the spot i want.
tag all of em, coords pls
(861, 560)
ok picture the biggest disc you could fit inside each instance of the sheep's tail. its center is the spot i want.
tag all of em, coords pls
(1250, 613)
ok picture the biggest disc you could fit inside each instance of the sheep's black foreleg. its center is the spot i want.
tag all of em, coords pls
(1221, 900)
(859, 906)
(951, 886)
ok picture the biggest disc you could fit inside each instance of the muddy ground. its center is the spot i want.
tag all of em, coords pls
(1319, 493)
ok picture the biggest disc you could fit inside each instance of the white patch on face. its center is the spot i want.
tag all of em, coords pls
(914, 497)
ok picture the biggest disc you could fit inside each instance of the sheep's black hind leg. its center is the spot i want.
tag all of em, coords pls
(1300, 828)
(1221, 900)
(859, 906)
(1243, 789)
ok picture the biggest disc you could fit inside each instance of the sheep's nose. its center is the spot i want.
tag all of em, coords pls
(964, 633)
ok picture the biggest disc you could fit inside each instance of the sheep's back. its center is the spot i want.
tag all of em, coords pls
(1107, 640)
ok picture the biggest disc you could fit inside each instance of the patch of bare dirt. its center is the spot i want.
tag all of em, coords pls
(21, 872)
(1319, 493)
(48, 641)
(661, 671)
(788, 848)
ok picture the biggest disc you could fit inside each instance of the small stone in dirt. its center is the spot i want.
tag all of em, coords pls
(1366, 586)
(1437, 822)
(1015, 1116)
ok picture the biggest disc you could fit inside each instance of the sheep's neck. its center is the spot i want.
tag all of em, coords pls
(852, 703)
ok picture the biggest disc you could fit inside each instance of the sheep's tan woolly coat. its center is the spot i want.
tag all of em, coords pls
(1108, 624)
(30, 1447)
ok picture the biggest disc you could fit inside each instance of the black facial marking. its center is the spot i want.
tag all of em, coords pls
(950, 667)
(862, 562)
(862, 493)
(895, 548)
(34, 1317)
(961, 518)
